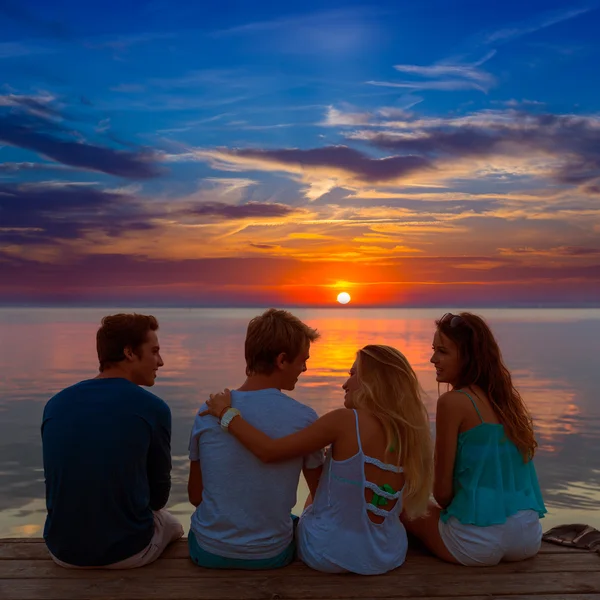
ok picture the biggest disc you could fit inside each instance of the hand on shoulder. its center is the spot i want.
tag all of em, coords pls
(217, 404)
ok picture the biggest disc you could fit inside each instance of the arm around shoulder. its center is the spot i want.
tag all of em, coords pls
(321, 433)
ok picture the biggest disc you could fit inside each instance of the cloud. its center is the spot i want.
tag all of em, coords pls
(497, 146)
(227, 185)
(444, 76)
(264, 246)
(558, 251)
(592, 189)
(56, 220)
(258, 281)
(17, 167)
(336, 118)
(513, 103)
(49, 211)
(329, 32)
(469, 71)
(342, 159)
(250, 210)
(541, 22)
(41, 104)
(444, 85)
(570, 143)
(56, 143)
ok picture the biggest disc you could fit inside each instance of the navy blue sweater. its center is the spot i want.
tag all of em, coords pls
(107, 464)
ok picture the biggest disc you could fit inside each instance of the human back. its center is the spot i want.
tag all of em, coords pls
(492, 479)
(486, 487)
(96, 440)
(243, 507)
(353, 524)
(246, 504)
(107, 462)
(496, 442)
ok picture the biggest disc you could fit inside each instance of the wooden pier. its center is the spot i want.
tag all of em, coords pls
(28, 573)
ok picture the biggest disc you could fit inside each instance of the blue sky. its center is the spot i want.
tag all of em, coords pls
(407, 152)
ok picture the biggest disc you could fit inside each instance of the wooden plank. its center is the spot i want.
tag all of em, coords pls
(473, 597)
(35, 549)
(557, 549)
(284, 585)
(183, 567)
(10, 551)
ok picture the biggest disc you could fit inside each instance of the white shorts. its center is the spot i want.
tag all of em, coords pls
(167, 529)
(520, 537)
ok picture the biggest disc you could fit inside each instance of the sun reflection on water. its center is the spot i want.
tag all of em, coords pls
(204, 351)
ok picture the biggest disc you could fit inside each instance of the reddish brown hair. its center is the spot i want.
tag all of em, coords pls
(270, 334)
(118, 332)
(482, 365)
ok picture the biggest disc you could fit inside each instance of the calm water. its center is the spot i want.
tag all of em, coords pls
(553, 355)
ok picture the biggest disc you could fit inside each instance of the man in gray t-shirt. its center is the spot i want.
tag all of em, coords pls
(243, 506)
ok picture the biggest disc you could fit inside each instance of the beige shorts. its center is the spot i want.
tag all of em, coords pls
(167, 529)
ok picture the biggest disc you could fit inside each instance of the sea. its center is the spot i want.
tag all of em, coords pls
(553, 354)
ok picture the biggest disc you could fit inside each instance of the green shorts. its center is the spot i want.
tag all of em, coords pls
(212, 561)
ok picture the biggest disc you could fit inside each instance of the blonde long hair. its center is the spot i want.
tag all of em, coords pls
(389, 389)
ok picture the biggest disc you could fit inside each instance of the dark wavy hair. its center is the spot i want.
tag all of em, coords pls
(481, 364)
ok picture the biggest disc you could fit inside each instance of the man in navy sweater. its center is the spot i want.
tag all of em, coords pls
(107, 456)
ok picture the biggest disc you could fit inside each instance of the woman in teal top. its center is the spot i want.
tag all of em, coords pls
(488, 498)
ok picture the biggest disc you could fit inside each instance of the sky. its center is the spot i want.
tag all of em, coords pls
(431, 153)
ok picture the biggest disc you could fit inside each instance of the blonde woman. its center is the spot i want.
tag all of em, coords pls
(380, 463)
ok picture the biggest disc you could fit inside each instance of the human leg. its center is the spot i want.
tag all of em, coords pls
(427, 530)
(167, 529)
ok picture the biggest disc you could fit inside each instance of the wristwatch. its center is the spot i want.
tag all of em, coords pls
(227, 417)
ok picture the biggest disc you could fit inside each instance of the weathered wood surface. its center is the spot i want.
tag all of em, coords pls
(28, 573)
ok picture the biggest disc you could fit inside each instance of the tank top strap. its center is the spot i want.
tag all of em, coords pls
(357, 432)
(472, 402)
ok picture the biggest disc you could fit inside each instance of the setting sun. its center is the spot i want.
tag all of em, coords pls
(343, 297)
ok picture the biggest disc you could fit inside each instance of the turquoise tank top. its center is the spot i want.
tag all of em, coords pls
(491, 480)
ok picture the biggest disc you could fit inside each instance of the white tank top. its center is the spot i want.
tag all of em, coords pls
(337, 528)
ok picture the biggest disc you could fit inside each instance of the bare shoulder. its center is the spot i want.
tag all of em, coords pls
(451, 397)
(454, 402)
(337, 421)
(341, 414)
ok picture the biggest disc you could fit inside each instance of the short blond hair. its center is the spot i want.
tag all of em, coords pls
(272, 333)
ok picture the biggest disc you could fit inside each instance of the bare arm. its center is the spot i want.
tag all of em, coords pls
(312, 477)
(447, 424)
(321, 433)
(195, 487)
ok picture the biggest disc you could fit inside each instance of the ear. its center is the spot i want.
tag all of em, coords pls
(280, 360)
(128, 352)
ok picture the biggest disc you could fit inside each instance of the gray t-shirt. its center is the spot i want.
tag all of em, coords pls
(246, 504)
